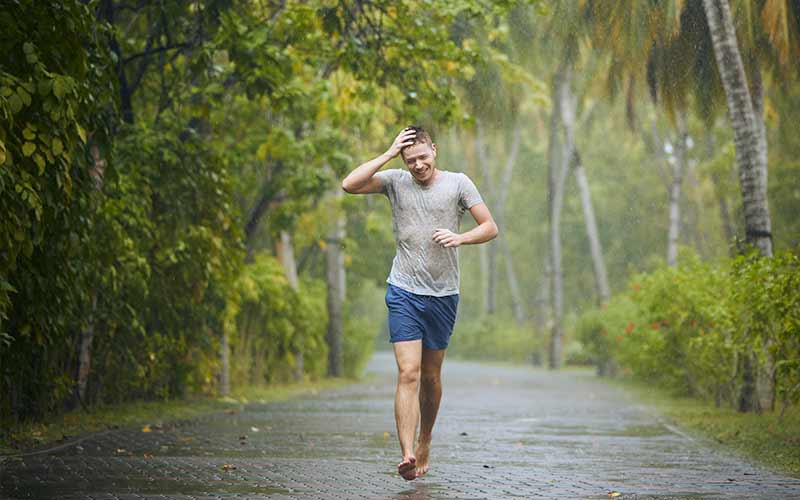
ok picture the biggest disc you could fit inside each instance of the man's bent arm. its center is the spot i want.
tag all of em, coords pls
(362, 179)
(485, 230)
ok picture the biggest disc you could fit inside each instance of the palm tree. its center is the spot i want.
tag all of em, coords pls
(748, 129)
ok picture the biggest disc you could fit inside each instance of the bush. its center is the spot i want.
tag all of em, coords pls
(689, 328)
(269, 324)
(364, 319)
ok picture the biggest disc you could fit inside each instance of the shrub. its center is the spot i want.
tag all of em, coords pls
(268, 324)
(690, 327)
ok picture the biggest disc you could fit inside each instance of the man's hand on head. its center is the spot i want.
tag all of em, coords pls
(403, 139)
(447, 238)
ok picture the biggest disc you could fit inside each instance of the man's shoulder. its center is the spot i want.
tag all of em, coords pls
(456, 178)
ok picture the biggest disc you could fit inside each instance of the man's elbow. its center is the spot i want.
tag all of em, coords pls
(494, 231)
(347, 187)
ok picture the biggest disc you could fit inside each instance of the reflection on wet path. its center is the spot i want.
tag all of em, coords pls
(503, 432)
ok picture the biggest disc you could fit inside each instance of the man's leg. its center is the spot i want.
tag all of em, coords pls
(430, 394)
(408, 355)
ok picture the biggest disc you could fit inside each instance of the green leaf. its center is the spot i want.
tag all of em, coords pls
(58, 146)
(37, 158)
(6, 91)
(24, 95)
(59, 88)
(28, 134)
(16, 103)
(81, 133)
(44, 87)
(2, 153)
(27, 47)
(32, 59)
(28, 148)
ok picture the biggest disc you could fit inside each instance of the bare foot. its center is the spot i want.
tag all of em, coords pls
(423, 454)
(407, 468)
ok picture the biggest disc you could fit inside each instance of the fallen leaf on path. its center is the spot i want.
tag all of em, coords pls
(146, 428)
(228, 467)
(254, 429)
(121, 450)
(614, 494)
(231, 411)
(148, 455)
(385, 436)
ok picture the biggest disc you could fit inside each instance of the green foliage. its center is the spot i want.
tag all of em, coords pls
(687, 328)
(268, 324)
(365, 316)
(170, 250)
(55, 85)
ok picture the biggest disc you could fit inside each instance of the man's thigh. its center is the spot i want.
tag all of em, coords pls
(408, 355)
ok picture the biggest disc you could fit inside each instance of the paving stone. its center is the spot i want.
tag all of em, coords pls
(502, 433)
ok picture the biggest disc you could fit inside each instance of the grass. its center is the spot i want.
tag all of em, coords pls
(55, 430)
(767, 439)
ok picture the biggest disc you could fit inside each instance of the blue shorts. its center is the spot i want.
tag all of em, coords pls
(415, 317)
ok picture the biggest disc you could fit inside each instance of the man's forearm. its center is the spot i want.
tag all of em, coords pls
(480, 233)
(360, 175)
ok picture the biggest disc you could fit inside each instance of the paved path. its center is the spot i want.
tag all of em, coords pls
(503, 433)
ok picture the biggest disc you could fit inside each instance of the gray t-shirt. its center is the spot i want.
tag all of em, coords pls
(421, 265)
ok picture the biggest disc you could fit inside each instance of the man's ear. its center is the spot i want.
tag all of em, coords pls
(433, 148)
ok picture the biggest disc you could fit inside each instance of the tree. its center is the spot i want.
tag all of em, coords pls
(748, 130)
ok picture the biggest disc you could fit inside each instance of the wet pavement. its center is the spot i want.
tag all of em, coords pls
(502, 433)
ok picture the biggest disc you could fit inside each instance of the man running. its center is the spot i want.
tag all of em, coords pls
(422, 295)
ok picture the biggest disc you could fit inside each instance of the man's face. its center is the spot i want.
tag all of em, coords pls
(420, 159)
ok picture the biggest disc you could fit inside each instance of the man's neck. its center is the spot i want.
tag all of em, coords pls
(430, 181)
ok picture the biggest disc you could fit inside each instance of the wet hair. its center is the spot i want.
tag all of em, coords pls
(421, 136)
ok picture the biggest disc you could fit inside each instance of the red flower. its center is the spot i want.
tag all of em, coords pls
(655, 325)
(629, 328)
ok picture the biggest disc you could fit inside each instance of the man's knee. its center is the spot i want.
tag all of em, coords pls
(408, 374)
(430, 377)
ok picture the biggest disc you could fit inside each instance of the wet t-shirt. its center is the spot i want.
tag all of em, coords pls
(421, 265)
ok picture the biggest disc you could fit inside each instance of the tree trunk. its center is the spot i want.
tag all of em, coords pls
(748, 133)
(678, 169)
(225, 369)
(557, 163)
(97, 173)
(489, 264)
(694, 207)
(335, 279)
(517, 303)
(496, 198)
(600, 274)
(751, 152)
(284, 251)
(85, 351)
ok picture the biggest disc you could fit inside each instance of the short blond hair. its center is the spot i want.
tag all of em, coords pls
(421, 136)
